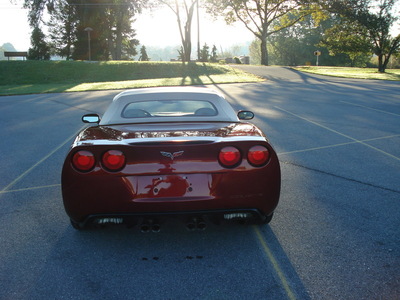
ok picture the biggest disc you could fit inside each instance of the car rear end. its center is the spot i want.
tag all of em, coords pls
(230, 177)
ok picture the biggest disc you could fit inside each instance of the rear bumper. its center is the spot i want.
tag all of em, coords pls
(216, 216)
(219, 193)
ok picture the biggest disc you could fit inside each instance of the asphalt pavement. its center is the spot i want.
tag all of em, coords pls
(335, 234)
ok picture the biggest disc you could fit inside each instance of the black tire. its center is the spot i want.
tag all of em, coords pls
(76, 225)
(265, 220)
(268, 218)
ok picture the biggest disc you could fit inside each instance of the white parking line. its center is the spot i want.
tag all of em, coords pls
(338, 145)
(30, 188)
(39, 162)
(339, 133)
(370, 108)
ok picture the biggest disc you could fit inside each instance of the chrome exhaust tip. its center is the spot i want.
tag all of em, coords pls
(196, 224)
(156, 228)
(150, 225)
(144, 228)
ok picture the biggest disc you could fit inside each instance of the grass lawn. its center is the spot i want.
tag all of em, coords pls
(360, 73)
(30, 77)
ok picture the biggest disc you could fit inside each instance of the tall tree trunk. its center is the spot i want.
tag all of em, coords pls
(111, 48)
(381, 68)
(118, 36)
(185, 32)
(188, 42)
(118, 45)
(385, 63)
(264, 52)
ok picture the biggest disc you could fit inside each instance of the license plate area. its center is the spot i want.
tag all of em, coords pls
(174, 185)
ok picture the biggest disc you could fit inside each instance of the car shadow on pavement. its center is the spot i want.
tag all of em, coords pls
(225, 261)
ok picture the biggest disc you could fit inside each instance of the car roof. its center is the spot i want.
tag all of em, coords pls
(120, 101)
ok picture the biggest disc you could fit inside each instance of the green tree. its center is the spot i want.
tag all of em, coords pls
(111, 20)
(347, 38)
(213, 57)
(91, 15)
(204, 53)
(62, 27)
(295, 45)
(374, 18)
(259, 16)
(40, 49)
(143, 54)
(254, 52)
(128, 49)
(120, 34)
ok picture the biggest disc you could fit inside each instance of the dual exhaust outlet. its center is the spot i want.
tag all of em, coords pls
(196, 224)
(150, 225)
(192, 224)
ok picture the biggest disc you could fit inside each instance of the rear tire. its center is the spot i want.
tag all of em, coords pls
(266, 220)
(76, 225)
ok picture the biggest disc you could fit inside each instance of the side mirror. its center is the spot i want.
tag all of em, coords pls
(91, 118)
(245, 115)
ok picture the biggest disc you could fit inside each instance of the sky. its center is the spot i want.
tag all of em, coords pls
(14, 29)
(14, 26)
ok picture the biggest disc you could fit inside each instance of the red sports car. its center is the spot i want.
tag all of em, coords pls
(170, 152)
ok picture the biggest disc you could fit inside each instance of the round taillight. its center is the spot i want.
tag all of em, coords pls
(258, 156)
(113, 160)
(83, 161)
(229, 157)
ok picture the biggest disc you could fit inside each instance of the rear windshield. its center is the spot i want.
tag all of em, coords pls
(169, 108)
